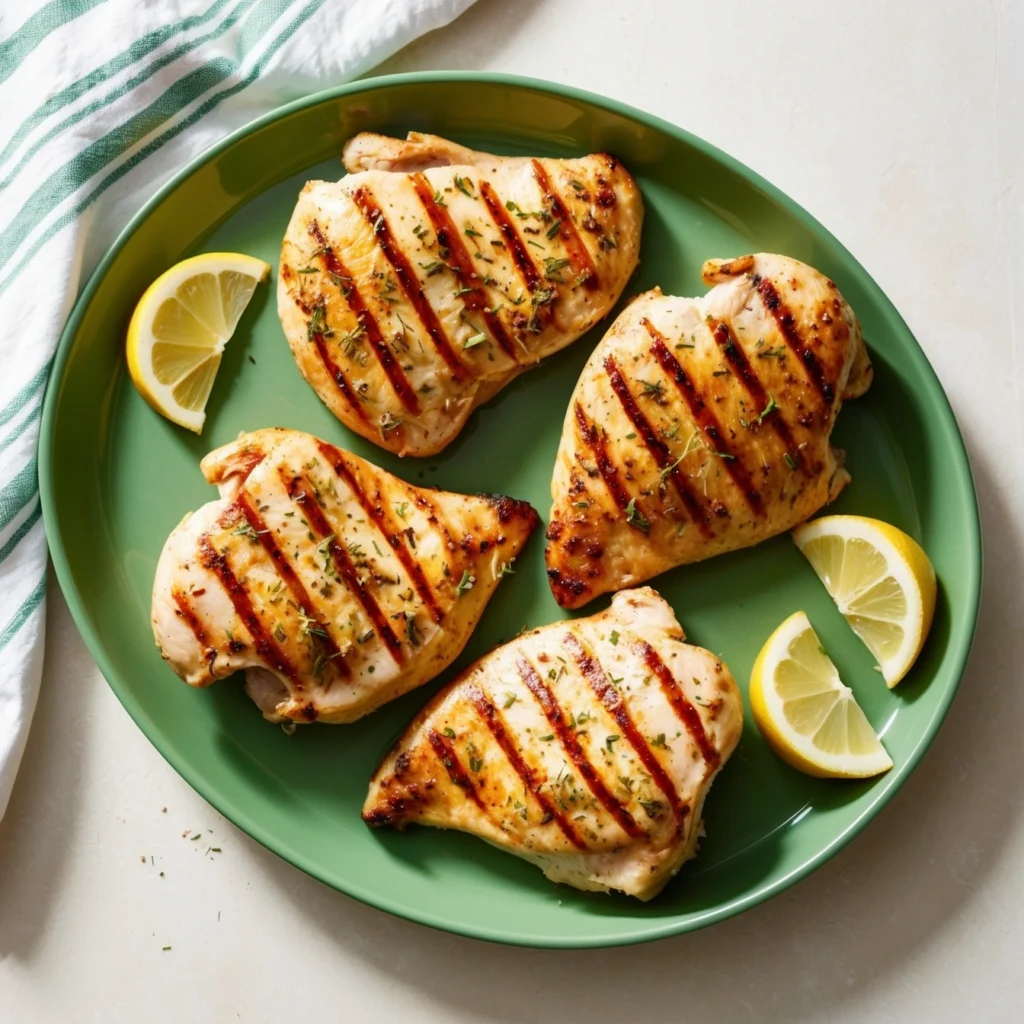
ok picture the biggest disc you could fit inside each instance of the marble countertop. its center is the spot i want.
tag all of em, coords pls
(898, 126)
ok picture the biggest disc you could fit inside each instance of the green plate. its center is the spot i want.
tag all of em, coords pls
(116, 478)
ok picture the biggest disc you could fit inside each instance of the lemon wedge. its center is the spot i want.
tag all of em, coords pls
(805, 712)
(881, 581)
(180, 327)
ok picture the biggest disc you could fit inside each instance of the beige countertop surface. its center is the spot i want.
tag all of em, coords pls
(899, 125)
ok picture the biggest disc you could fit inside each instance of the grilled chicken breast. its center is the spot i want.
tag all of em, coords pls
(586, 747)
(700, 426)
(417, 287)
(335, 586)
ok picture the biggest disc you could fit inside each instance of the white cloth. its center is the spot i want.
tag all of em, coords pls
(90, 92)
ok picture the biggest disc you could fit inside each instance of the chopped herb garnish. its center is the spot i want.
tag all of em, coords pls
(611, 740)
(550, 736)
(659, 740)
(411, 631)
(510, 699)
(463, 185)
(552, 266)
(388, 422)
(652, 808)
(554, 229)
(537, 302)
(772, 353)
(449, 732)
(307, 270)
(635, 517)
(438, 198)
(475, 764)
(722, 455)
(321, 660)
(473, 234)
(400, 507)
(311, 627)
(247, 530)
(349, 341)
(770, 407)
(433, 267)
(667, 471)
(652, 387)
(613, 638)
(789, 460)
(477, 339)
(318, 322)
(506, 569)
(368, 635)
(466, 583)
(578, 186)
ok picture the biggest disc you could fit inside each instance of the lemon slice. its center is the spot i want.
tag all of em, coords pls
(180, 327)
(881, 581)
(805, 712)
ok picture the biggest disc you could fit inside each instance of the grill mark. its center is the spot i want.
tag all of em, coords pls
(658, 449)
(445, 753)
(250, 457)
(492, 719)
(591, 437)
(291, 580)
(394, 373)
(407, 279)
(786, 323)
(188, 613)
(266, 648)
(685, 711)
(382, 520)
(579, 256)
(336, 374)
(319, 524)
(546, 699)
(593, 671)
(517, 248)
(461, 262)
(705, 419)
(737, 359)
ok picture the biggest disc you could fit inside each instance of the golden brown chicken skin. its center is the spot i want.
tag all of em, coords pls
(334, 585)
(586, 747)
(418, 286)
(700, 426)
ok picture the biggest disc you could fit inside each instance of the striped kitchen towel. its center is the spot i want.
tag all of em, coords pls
(101, 101)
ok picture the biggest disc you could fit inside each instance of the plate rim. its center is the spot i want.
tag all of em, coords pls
(660, 927)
